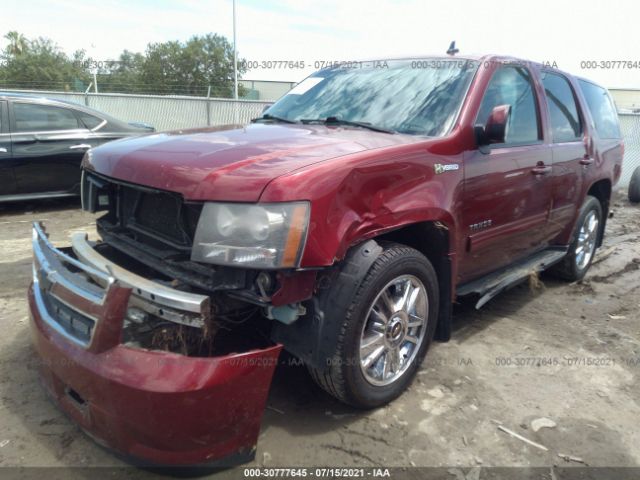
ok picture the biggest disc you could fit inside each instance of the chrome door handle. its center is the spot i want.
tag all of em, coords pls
(3, 150)
(80, 146)
(586, 161)
(541, 170)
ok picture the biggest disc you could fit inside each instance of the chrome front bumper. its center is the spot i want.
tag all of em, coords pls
(75, 296)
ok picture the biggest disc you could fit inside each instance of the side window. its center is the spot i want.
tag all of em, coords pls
(4, 127)
(602, 110)
(89, 121)
(32, 117)
(565, 121)
(513, 86)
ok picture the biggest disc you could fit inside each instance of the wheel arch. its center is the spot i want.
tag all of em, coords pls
(433, 240)
(313, 336)
(601, 190)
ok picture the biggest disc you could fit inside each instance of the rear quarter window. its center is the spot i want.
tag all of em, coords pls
(602, 110)
(90, 121)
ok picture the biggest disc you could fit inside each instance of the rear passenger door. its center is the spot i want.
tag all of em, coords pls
(569, 149)
(605, 139)
(48, 144)
(7, 180)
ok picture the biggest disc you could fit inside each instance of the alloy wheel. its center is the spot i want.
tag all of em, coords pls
(394, 330)
(587, 238)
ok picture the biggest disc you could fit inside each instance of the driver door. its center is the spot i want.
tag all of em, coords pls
(7, 179)
(507, 187)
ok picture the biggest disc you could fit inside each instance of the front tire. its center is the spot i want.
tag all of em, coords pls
(575, 264)
(386, 330)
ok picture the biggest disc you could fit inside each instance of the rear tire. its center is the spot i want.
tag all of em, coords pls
(583, 248)
(634, 186)
(386, 330)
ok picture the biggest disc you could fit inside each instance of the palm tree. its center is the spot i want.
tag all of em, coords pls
(18, 44)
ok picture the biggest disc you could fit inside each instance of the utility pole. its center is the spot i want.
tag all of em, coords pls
(95, 69)
(235, 55)
(236, 116)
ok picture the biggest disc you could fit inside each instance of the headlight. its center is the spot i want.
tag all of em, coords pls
(253, 236)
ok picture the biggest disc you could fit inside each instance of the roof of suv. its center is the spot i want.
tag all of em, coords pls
(477, 58)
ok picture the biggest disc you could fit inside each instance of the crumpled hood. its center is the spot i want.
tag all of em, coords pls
(227, 163)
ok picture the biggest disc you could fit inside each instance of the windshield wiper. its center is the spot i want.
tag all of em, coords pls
(339, 121)
(268, 116)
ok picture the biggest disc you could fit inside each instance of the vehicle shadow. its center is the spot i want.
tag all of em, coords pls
(296, 403)
(468, 321)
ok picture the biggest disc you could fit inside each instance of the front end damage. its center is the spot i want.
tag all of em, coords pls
(144, 365)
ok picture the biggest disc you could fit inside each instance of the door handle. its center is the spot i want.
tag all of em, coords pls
(25, 141)
(541, 170)
(586, 161)
(3, 150)
(80, 146)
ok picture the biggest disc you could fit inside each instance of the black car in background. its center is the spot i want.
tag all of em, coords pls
(42, 142)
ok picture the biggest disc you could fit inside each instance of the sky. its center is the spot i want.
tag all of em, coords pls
(564, 33)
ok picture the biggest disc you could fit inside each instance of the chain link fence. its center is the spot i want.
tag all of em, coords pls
(164, 112)
(630, 126)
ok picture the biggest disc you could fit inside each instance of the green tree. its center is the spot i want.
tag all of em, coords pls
(169, 68)
(17, 43)
(189, 68)
(38, 64)
(124, 74)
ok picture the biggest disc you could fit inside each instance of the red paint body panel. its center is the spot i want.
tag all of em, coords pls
(161, 408)
(294, 286)
(230, 165)
(363, 195)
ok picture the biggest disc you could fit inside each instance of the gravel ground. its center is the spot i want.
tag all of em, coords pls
(569, 353)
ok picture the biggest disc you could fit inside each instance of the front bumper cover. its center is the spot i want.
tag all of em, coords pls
(160, 408)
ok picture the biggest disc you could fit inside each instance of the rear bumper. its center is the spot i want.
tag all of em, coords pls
(158, 407)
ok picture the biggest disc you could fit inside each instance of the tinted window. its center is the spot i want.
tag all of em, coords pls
(31, 117)
(602, 110)
(90, 121)
(563, 111)
(513, 86)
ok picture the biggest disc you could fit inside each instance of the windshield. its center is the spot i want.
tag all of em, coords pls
(419, 97)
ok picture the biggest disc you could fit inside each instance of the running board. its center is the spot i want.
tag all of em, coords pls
(496, 282)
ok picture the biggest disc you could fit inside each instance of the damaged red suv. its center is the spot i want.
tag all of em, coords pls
(340, 226)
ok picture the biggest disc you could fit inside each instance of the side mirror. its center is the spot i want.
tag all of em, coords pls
(495, 130)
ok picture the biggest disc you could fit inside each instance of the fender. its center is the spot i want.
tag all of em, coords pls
(313, 337)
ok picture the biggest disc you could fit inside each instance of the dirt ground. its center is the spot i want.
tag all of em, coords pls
(566, 352)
